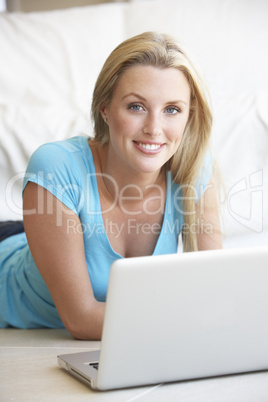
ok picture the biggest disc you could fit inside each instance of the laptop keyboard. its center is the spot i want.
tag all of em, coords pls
(95, 365)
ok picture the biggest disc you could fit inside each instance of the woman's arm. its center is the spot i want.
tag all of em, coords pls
(209, 229)
(60, 258)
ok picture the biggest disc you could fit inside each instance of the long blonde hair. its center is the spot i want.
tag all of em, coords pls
(161, 51)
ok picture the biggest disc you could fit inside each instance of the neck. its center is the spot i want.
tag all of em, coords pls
(132, 193)
(128, 183)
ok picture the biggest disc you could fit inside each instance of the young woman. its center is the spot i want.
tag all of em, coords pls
(144, 179)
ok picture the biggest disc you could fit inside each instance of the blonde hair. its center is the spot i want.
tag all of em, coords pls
(161, 51)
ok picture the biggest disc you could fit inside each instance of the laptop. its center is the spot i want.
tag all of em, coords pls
(179, 317)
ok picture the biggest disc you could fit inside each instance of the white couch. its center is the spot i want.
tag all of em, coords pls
(49, 62)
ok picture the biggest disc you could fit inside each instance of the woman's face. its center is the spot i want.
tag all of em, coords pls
(147, 116)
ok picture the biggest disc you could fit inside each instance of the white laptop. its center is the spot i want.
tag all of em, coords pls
(178, 317)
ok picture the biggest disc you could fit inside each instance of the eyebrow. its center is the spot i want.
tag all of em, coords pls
(143, 99)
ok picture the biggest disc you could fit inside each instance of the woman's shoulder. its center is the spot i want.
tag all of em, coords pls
(60, 167)
(59, 154)
(70, 146)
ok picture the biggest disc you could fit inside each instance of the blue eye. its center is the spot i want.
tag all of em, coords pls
(135, 107)
(172, 110)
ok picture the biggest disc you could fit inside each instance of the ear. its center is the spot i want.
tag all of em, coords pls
(103, 111)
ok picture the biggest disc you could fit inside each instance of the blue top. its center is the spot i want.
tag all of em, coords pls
(66, 169)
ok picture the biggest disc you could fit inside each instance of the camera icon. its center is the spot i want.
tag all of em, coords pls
(245, 201)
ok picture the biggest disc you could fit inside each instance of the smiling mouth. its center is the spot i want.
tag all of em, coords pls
(150, 147)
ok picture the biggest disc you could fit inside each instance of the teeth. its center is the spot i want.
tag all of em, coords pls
(152, 147)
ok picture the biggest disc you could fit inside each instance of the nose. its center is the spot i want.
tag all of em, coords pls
(152, 125)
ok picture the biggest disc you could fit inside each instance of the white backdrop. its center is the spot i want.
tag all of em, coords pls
(50, 61)
(2, 5)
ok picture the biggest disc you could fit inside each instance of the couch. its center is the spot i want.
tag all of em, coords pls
(49, 62)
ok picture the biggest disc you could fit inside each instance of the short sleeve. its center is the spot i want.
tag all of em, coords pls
(53, 167)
